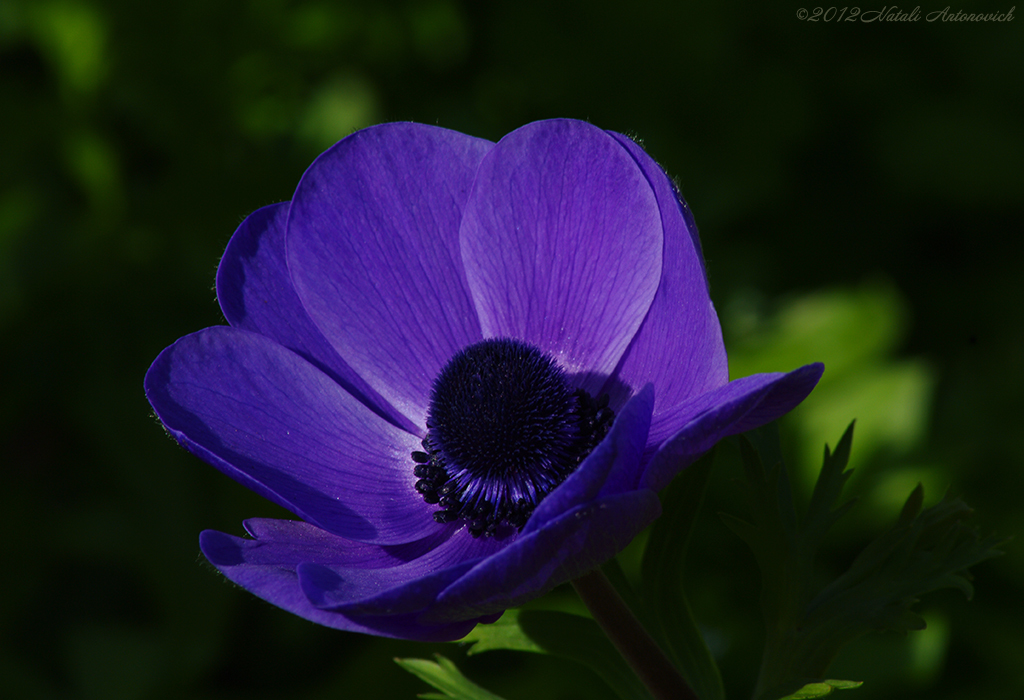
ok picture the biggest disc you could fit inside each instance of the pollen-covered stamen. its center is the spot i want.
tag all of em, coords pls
(504, 430)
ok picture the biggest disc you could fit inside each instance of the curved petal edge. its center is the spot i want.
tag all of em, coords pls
(740, 405)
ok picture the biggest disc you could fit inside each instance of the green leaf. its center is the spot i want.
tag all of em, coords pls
(925, 550)
(446, 677)
(566, 636)
(668, 615)
(822, 512)
(818, 690)
(503, 634)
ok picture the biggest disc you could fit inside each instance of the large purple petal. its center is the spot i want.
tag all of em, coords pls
(562, 244)
(679, 346)
(373, 250)
(267, 568)
(255, 292)
(563, 549)
(740, 405)
(280, 426)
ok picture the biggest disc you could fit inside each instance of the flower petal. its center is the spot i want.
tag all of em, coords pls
(255, 292)
(679, 345)
(406, 588)
(373, 250)
(613, 466)
(565, 548)
(292, 542)
(275, 423)
(358, 591)
(740, 405)
(267, 568)
(562, 243)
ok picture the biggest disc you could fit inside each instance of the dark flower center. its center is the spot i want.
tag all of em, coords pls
(504, 429)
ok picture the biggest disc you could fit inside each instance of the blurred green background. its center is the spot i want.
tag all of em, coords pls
(859, 192)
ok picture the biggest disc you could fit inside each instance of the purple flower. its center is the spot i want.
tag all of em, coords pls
(467, 367)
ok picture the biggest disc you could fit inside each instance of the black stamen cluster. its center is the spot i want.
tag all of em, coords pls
(484, 518)
(504, 429)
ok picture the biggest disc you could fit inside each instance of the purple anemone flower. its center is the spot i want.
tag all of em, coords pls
(467, 367)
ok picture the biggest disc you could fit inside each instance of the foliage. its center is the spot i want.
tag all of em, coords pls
(820, 690)
(925, 550)
(563, 635)
(447, 678)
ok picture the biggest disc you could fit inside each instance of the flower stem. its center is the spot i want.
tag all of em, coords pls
(641, 652)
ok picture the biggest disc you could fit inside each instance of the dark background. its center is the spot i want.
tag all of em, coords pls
(859, 192)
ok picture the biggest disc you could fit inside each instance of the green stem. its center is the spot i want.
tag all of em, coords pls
(642, 654)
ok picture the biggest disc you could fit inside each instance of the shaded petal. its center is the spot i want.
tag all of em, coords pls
(562, 244)
(255, 292)
(292, 542)
(679, 346)
(275, 423)
(563, 549)
(373, 250)
(359, 590)
(268, 570)
(740, 405)
(409, 587)
(612, 467)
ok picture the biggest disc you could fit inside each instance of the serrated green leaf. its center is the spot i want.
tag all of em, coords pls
(925, 550)
(823, 511)
(818, 690)
(446, 677)
(503, 634)
(912, 507)
(566, 636)
(669, 617)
